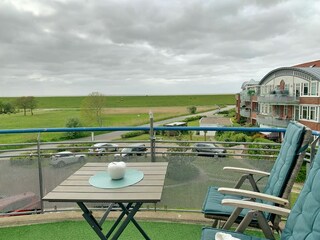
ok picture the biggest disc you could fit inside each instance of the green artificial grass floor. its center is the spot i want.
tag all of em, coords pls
(80, 230)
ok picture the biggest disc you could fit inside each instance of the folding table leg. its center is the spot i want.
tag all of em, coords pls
(105, 215)
(135, 222)
(114, 226)
(130, 217)
(87, 214)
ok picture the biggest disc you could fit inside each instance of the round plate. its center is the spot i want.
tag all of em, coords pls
(103, 179)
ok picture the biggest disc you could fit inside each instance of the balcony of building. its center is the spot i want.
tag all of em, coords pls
(245, 112)
(272, 121)
(28, 169)
(246, 95)
(279, 98)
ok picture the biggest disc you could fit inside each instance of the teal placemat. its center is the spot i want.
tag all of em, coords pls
(103, 179)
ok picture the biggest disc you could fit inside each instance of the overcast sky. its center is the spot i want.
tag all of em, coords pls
(150, 47)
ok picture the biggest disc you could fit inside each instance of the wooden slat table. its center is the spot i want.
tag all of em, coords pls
(77, 189)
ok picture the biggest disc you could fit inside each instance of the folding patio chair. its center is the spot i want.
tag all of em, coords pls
(279, 184)
(303, 221)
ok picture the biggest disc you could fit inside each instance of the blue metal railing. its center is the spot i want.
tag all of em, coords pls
(40, 155)
(103, 129)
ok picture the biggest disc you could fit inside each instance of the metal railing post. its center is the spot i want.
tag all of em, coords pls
(152, 138)
(40, 173)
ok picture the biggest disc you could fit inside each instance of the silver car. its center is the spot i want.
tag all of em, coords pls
(101, 148)
(66, 157)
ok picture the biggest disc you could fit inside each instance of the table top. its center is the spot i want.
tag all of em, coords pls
(77, 188)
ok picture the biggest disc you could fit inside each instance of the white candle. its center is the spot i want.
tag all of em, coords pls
(116, 170)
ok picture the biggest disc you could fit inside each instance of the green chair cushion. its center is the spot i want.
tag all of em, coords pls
(304, 219)
(277, 180)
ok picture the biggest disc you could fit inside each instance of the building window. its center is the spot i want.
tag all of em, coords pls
(314, 89)
(304, 112)
(297, 90)
(313, 115)
(285, 111)
(296, 113)
(305, 89)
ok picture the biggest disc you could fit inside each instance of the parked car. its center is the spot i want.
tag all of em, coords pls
(101, 148)
(66, 157)
(132, 150)
(27, 201)
(209, 149)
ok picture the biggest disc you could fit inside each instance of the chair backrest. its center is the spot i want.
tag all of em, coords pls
(304, 219)
(287, 159)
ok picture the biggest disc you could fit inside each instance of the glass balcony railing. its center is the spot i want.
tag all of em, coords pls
(272, 121)
(28, 171)
(245, 113)
(278, 99)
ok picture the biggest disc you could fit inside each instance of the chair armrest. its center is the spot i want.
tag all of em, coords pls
(256, 206)
(252, 194)
(246, 171)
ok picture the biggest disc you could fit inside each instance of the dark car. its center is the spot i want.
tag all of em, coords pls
(209, 149)
(132, 150)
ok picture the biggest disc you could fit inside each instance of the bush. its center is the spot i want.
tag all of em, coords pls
(262, 151)
(302, 173)
(190, 119)
(229, 113)
(133, 134)
(73, 123)
(192, 109)
(6, 108)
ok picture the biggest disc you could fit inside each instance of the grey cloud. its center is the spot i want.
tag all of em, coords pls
(142, 46)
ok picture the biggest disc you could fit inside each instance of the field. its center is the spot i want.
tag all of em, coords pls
(137, 101)
(54, 112)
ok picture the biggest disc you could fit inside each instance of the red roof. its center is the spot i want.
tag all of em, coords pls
(309, 64)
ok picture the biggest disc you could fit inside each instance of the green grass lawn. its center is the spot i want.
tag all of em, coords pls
(53, 112)
(80, 230)
(59, 118)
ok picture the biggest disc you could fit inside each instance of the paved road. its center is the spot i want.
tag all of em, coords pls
(117, 134)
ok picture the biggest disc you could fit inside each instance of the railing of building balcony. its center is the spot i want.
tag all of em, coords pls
(274, 121)
(27, 173)
(278, 99)
(245, 112)
(245, 95)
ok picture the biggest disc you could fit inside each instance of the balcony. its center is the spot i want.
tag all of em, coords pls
(245, 95)
(272, 121)
(279, 99)
(245, 113)
(27, 167)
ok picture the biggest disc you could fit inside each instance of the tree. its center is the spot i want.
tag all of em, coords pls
(192, 109)
(8, 107)
(22, 104)
(32, 103)
(26, 103)
(92, 107)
